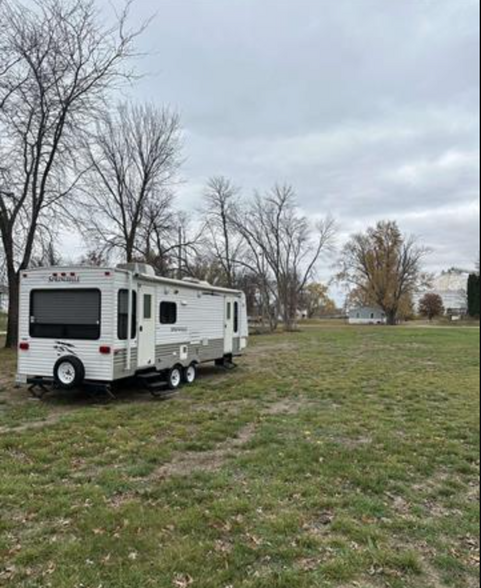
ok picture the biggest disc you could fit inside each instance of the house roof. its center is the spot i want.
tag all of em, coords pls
(365, 309)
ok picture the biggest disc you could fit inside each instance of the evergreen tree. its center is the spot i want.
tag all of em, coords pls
(474, 300)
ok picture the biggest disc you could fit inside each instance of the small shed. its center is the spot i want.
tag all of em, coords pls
(367, 315)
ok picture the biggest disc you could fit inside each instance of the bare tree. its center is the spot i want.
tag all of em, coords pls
(133, 159)
(282, 249)
(224, 242)
(172, 243)
(92, 258)
(57, 64)
(384, 267)
(48, 256)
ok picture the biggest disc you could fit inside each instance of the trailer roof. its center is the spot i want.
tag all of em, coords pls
(197, 285)
(187, 284)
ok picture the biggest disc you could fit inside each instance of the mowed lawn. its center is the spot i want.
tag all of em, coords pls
(336, 457)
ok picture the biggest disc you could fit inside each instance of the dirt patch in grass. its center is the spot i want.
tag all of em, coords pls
(474, 491)
(436, 580)
(287, 406)
(35, 425)
(268, 355)
(354, 443)
(361, 584)
(187, 463)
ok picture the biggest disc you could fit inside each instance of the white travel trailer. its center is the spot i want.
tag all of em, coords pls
(96, 326)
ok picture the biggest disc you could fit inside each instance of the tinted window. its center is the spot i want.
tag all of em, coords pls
(147, 306)
(123, 315)
(65, 314)
(168, 313)
(229, 311)
(236, 317)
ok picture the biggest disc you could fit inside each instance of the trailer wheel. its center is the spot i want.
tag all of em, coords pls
(190, 374)
(69, 372)
(174, 378)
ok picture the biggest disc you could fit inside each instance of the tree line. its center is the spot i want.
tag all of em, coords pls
(70, 155)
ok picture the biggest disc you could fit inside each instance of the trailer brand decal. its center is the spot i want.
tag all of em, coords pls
(62, 348)
(179, 330)
(64, 279)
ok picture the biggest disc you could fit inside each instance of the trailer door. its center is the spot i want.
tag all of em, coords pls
(229, 326)
(147, 327)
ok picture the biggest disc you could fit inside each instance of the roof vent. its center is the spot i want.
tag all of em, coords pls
(142, 269)
(195, 281)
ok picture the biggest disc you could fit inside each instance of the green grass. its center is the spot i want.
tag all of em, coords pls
(335, 457)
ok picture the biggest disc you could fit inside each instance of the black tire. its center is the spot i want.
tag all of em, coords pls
(190, 374)
(175, 378)
(69, 372)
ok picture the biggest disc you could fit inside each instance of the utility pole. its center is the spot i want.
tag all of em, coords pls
(180, 259)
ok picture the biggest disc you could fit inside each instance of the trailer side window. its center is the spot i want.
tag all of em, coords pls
(168, 313)
(65, 314)
(123, 315)
(147, 306)
(236, 317)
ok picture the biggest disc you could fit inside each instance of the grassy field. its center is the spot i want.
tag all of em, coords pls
(336, 457)
(3, 322)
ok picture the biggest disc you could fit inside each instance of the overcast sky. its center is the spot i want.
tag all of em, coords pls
(370, 108)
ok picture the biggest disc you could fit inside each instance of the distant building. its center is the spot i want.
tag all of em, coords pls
(367, 315)
(452, 287)
(3, 298)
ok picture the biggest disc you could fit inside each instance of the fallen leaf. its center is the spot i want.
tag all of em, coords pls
(183, 581)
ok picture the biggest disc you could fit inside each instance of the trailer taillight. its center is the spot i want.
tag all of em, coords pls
(105, 350)
(24, 346)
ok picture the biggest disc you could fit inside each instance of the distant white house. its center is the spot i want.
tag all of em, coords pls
(366, 315)
(3, 298)
(452, 287)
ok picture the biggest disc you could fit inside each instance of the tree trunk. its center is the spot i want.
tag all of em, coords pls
(13, 302)
(289, 310)
(268, 314)
(290, 322)
(129, 253)
(392, 318)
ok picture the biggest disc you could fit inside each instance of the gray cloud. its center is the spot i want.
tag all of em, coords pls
(370, 108)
